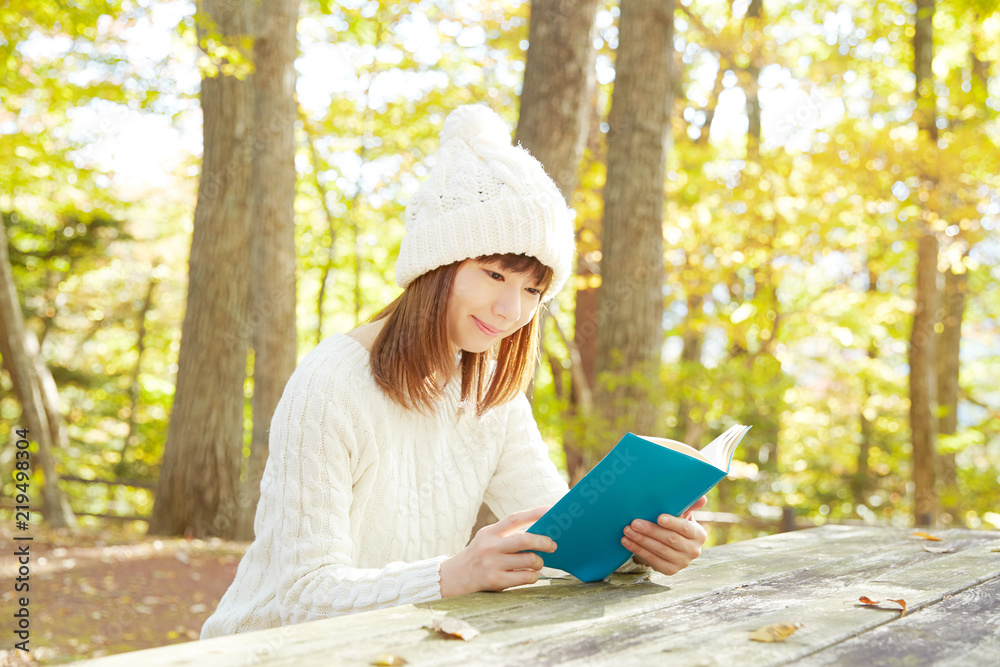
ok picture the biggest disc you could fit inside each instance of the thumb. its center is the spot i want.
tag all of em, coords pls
(701, 502)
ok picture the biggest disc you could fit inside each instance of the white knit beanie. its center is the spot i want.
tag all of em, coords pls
(484, 197)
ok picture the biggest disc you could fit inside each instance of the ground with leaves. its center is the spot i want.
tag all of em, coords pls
(112, 591)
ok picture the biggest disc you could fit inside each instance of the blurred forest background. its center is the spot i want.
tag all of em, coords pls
(787, 217)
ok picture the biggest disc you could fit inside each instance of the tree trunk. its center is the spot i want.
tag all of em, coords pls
(559, 83)
(921, 353)
(948, 355)
(135, 385)
(330, 266)
(199, 485)
(921, 358)
(559, 77)
(582, 382)
(630, 299)
(861, 484)
(753, 35)
(691, 427)
(273, 238)
(29, 377)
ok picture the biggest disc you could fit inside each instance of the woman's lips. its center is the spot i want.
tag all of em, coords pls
(485, 329)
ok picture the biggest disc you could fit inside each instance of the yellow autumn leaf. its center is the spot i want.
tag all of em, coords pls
(926, 536)
(776, 632)
(454, 627)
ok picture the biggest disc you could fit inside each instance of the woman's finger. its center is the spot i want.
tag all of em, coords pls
(669, 547)
(663, 546)
(701, 502)
(656, 562)
(521, 561)
(687, 528)
(512, 522)
(529, 542)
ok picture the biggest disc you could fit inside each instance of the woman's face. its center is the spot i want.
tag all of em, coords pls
(488, 303)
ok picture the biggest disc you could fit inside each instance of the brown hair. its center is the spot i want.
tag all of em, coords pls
(413, 348)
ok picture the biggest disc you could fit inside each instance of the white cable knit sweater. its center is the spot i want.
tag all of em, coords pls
(361, 500)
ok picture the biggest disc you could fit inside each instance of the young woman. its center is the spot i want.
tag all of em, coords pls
(388, 438)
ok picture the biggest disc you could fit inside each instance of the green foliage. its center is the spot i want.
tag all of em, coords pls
(82, 255)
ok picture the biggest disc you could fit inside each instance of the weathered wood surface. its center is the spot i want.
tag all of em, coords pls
(702, 616)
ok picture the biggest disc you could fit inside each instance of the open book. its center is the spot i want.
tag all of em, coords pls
(641, 478)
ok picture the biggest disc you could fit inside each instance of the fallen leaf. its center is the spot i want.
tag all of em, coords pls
(454, 627)
(938, 549)
(901, 603)
(628, 579)
(926, 536)
(388, 660)
(776, 632)
(875, 603)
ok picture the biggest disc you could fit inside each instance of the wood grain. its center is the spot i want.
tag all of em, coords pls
(702, 616)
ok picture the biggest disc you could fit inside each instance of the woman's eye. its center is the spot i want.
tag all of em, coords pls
(499, 277)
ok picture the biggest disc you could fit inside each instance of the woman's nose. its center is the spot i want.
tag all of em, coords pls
(508, 305)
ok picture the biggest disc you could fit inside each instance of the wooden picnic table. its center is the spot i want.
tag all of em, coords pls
(701, 616)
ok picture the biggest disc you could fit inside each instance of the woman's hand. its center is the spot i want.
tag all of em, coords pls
(669, 545)
(491, 562)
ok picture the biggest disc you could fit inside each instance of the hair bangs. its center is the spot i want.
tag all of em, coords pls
(523, 264)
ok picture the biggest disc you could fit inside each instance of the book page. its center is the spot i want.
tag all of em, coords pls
(681, 448)
(717, 453)
(721, 449)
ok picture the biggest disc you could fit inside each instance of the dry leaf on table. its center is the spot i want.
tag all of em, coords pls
(389, 660)
(776, 632)
(926, 536)
(875, 603)
(454, 627)
(938, 548)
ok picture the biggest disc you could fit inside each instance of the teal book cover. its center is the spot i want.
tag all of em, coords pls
(641, 478)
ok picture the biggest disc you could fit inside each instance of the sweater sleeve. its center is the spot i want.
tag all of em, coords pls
(525, 476)
(304, 512)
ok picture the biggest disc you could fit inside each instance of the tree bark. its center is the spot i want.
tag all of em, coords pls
(559, 77)
(949, 347)
(29, 376)
(692, 428)
(199, 483)
(753, 34)
(948, 365)
(630, 299)
(921, 358)
(559, 83)
(921, 353)
(860, 484)
(273, 237)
